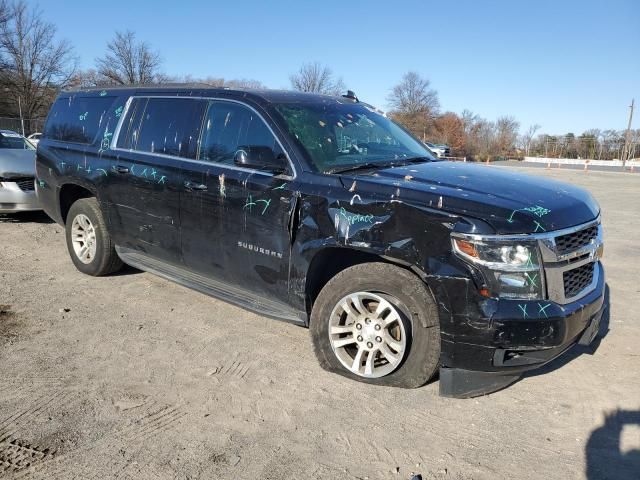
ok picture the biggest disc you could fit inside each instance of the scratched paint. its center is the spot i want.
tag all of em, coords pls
(222, 189)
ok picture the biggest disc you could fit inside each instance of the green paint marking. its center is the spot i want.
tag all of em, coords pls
(161, 180)
(538, 227)
(523, 309)
(266, 205)
(249, 203)
(543, 309)
(353, 218)
(529, 261)
(532, 280)
(281, 187)
(103, 93)
(537, 210)
(83, 117)
(103, 171)
(118, 112)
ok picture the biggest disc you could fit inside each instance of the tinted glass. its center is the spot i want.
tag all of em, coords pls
(131, 124)
(171, 126)
(77, 119)
(339, 135)
(228, 126)
(14, 141)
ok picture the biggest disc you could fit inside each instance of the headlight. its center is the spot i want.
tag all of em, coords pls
(512, 269)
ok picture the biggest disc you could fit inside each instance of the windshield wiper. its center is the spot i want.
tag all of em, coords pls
(360, 166)
(419, 159)
(371, 165)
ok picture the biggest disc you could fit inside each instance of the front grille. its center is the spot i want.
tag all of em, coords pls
(577, 279)
(26, 184)
(573, 241)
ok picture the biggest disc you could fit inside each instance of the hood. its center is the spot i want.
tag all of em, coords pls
(17, 163)
(511, 202)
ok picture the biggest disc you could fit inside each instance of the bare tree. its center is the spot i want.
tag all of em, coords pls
(5, 12)
(222, 82)
(129, 62)
(414, 103)
(34, 63)
(527, 138)
(414, 95)
(89, 79)
(506, 134)
(316, 78)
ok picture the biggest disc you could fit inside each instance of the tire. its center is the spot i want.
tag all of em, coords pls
(417, 322)
(101, 258)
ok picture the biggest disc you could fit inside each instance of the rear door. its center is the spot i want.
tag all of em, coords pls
(145, 180)
(235, 220)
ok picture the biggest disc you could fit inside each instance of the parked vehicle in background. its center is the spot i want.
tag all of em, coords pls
(440, 150)
(34, 138)
(17, 173)
(321, 211)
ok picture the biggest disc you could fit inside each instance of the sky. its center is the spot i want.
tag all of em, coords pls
(566, 65)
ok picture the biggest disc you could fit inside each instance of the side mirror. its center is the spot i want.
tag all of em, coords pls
(259, 157)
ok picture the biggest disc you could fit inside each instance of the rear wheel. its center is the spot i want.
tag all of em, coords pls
(377, 323)
(88, 241)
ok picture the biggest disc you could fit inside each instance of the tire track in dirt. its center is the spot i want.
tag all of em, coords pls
(16, 454)
(235, 369)
(13, 421)
(156, 419)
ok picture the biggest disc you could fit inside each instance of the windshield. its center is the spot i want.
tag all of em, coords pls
(340, 136)
(14, 141)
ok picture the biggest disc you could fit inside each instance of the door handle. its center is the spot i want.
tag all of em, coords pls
(120, 169)
(191, 186)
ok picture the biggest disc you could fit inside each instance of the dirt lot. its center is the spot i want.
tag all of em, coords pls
(132, 376)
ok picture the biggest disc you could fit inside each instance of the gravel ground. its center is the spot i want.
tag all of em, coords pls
(131, 376)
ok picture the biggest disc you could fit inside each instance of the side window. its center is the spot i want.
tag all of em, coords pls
(131, 124)
(77, 119)
(228, 126)
(170, 126)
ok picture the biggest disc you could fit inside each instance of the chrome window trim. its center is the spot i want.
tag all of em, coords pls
(552, 264)
(116, 135)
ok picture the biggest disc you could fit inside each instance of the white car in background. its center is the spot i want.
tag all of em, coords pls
(17, 173)
(439, 150)
(34, 138)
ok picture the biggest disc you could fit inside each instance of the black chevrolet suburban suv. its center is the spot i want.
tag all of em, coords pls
(321, 211)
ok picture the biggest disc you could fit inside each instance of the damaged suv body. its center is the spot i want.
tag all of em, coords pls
(321, 211)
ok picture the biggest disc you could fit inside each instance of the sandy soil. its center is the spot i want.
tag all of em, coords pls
(132, 376)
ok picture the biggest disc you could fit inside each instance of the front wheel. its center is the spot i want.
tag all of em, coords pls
(377, 323)
(88, 241)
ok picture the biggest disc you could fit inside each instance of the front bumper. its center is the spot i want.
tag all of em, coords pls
(491, 343)
(13, 199)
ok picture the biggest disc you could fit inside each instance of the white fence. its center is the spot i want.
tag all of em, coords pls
(580, 161)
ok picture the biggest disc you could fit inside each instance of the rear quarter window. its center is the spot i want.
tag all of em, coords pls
(77, 119)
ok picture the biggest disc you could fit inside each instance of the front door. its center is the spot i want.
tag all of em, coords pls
(235, 220)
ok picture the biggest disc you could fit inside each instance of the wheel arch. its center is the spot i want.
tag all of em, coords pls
(329, 261)
(71, 192)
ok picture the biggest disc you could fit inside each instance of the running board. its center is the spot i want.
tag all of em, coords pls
(213, 288)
